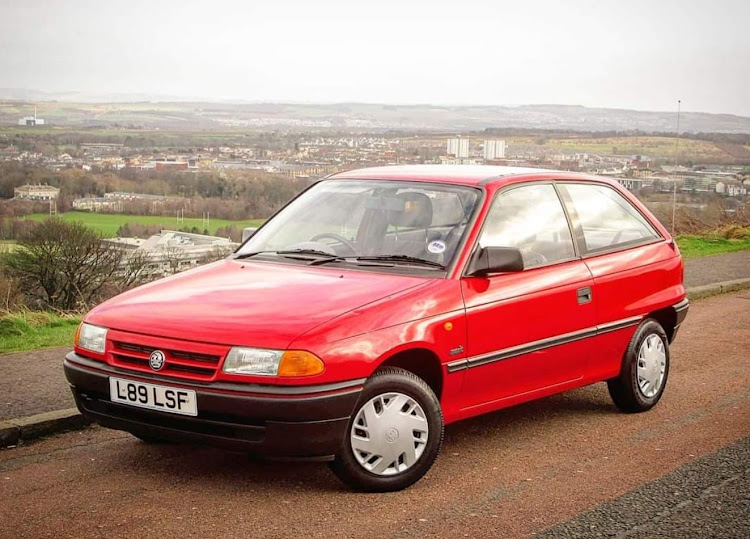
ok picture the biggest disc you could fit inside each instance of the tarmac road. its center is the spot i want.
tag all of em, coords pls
(508, 474)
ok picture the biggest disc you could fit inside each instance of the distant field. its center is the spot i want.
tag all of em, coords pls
(657, 147)
(107, 223)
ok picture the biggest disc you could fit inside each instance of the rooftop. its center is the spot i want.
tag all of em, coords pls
(37, 187)
(465, 174)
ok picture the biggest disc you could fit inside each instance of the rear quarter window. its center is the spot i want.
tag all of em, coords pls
(608, 219)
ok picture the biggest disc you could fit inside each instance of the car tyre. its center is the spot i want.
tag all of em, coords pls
(645, 369)
(409, 413)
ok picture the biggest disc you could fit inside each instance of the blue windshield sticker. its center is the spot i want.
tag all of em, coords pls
(436, 247)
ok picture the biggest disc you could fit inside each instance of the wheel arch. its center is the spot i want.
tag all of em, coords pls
(667, 318)
(422, 362)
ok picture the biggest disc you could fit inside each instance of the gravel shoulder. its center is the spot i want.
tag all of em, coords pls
(509, 474)
(33, 382)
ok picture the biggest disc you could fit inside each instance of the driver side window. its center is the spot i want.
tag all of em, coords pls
(531, 219)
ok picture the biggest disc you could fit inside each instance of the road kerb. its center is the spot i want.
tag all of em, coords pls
(28, 428)
(698, 292)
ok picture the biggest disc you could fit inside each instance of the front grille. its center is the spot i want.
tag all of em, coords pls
(177, 361)
(177, 354)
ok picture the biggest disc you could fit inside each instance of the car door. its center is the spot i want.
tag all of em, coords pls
(631, 264)
(528, 330)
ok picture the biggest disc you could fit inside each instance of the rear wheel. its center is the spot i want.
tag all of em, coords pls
(394, 434)
(645, 369)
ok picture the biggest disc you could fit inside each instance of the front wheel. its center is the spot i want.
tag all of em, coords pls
(394, 435)
(644, 371)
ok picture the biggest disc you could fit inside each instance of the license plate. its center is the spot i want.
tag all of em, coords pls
(153, 397)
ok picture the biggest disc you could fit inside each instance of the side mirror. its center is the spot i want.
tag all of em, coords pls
(495, 260)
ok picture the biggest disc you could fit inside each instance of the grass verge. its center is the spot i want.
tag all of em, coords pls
(29, 330)
(697, 246)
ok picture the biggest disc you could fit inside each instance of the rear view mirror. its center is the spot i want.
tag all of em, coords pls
(495, 260)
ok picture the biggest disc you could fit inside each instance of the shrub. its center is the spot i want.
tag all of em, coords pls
(732, 232)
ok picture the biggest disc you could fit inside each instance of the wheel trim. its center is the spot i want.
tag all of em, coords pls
(652, 364)
(389, 434)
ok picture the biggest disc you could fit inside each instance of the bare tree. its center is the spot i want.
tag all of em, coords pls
(64, 265)
(173, 256)
(218, 252)
(135, 268)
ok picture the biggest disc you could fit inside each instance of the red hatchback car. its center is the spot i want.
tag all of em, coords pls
(380, 305)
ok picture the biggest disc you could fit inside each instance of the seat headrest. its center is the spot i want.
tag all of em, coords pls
(417, 212)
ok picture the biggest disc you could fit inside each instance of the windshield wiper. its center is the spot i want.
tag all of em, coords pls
(324, 258)
(289, 253)
(401, 258)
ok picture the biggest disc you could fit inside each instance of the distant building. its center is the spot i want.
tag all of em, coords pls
(633, 184)
(171, 251)
(31, 121)
(122, 195)
(171, 165)
(730, 188)
(36, 192)
(113, 201)
(458, 147)
(494, 149)
(96, 204)
(98, 148)
(459, 161)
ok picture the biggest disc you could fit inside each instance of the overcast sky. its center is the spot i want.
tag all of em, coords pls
(639, 54)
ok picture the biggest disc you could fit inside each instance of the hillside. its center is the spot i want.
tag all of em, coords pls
(357, 116)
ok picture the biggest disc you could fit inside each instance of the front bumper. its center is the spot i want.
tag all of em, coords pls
(307, 422)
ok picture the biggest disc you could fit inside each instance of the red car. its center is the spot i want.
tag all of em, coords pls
(380, 305)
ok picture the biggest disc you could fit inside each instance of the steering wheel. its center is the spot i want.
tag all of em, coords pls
(532, 259)
(337, 237)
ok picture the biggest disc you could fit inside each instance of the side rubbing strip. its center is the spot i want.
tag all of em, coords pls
(619, 324)
(542, 344)
(458, 365)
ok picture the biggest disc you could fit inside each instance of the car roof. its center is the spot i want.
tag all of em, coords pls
(457, 174)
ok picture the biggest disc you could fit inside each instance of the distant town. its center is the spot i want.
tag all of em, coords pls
(152, 179)
(313, 157)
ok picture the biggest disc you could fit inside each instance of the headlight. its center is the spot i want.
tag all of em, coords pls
(252, 361)
(91, 338)
(264, 362)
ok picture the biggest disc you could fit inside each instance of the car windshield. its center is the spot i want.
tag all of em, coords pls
(366, 222)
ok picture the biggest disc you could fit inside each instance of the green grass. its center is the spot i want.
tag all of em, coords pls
(28, 330)
(107, 223)
(697, 246)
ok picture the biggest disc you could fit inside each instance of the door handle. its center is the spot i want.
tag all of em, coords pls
(584, 295)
